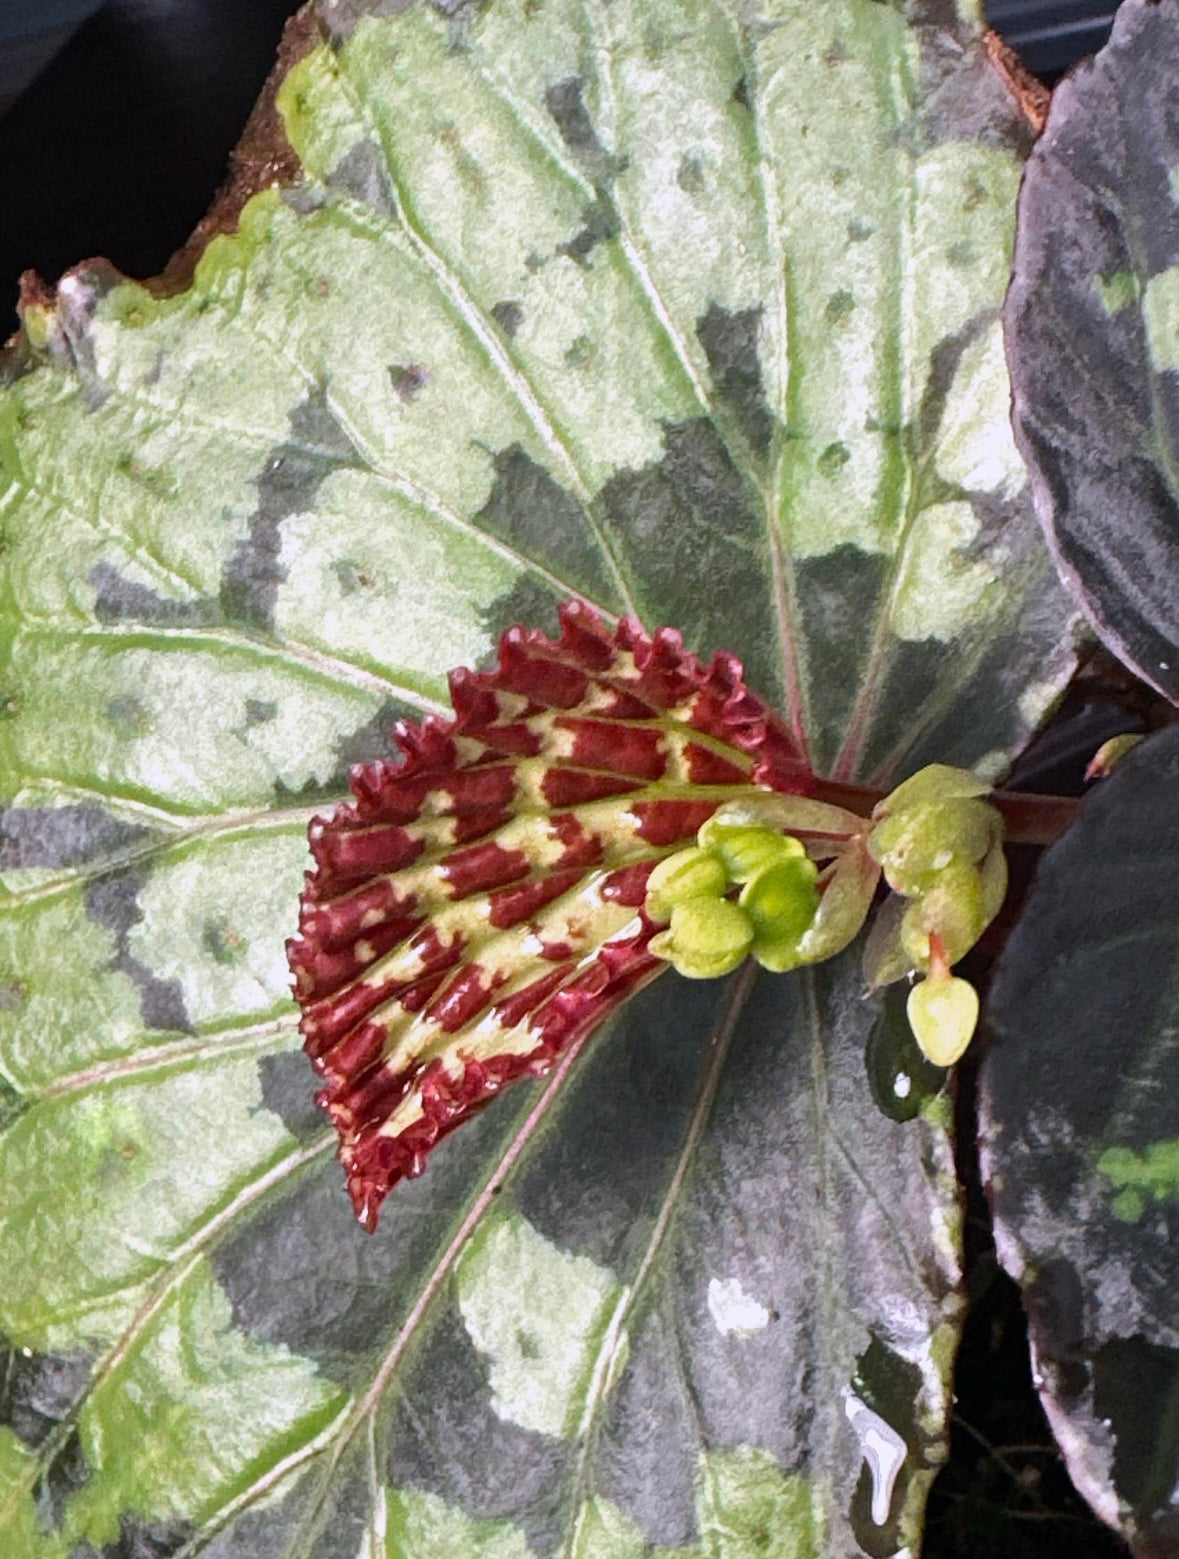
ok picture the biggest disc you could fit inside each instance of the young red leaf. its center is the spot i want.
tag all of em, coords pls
(479, 904)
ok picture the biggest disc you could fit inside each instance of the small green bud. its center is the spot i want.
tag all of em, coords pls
(781, 903)
(917, 843)
(953, 908)
(936, 782)
(943, 1014)
(688, 874)
(1111, 753)
(748, 849)
(706, 938)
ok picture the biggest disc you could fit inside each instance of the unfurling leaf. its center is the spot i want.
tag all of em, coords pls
(480, 904)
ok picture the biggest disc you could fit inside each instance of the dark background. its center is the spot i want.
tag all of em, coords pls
(117, 144)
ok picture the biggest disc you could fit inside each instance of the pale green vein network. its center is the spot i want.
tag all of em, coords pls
(471, 317)
(172, 1276)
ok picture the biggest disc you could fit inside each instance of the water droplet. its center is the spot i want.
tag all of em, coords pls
(900, 1077)
(882, 1448)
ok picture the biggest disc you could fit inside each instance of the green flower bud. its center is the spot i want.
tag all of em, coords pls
(781, 903)
(917, 843)
(943, 1014)
(706, 938)
(1108, 754)
(936, 782)
(747, 849)
(954, 908)
(688, 874)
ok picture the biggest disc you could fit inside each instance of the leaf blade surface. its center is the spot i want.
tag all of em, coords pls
(558, 305)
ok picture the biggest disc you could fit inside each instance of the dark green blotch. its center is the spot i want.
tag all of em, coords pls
(340, 19)
(839, 306)
(12, 1103)
(690, 176)
(300, 1272)
(150, 478)
(374, 741)
(112, 900)
(260, 711)
(944, 363)
(141, 1540)
(911, 674)
(66, 1473)
(961, 253)
(221, 940)
(349, 577)
(121, 600)
(446, 1438)
(653, 1477)
(362, 173)
(730, 342)
(130, 716)
(689, 532)
(38, 1390)
(59, 837)
(599, 224)
(339, 1515)
(288, 485)
(1136, 1387)
(838, 595)
(623, 1124)
(508, 315)
(528, 602)
(892, 1055)
(540, 519)
(407, 379)
(288, 1089)
(566, 104)
(833, 459)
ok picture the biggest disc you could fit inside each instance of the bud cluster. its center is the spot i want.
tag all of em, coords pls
(940, 847)
(708, 932)
(788, 881)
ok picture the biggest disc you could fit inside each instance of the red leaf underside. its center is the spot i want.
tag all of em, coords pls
(478, 905)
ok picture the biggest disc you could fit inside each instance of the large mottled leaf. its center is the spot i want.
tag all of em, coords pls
(1093, 336)
(683, 308)
(1081, 1140)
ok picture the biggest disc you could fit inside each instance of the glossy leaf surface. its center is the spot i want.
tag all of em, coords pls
(1081, 1139)
(584, 300)
(1093, 337)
